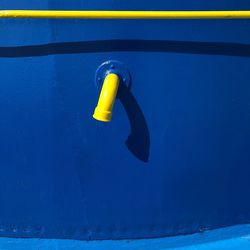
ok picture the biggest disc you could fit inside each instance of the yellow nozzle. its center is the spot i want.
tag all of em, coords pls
(104, 108)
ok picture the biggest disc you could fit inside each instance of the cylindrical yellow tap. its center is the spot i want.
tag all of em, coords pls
(104, 109)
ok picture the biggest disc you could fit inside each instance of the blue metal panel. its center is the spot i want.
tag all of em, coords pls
(175, 158)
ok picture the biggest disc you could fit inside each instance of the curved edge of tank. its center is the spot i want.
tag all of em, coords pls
(230, 238)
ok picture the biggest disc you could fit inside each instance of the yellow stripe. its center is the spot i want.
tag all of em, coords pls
(125, 14)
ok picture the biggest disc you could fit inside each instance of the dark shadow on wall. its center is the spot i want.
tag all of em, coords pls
(138, 142)
(186, 47)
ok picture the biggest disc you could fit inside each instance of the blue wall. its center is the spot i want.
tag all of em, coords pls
(175, 158)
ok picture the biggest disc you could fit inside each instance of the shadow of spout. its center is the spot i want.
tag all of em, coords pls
(138, 142)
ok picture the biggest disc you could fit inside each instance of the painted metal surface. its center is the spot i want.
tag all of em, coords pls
(233, 238)
(174, 160)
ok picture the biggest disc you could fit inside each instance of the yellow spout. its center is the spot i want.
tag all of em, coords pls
(104, 109)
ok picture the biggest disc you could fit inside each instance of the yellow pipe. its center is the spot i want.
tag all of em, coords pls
(239, 14)
(104, 109)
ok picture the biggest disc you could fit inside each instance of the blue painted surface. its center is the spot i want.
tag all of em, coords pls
(174, 160)
(232, 238)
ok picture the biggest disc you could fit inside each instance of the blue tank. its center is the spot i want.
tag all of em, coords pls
(174, 160)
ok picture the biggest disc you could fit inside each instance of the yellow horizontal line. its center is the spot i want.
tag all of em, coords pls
(240, 14)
